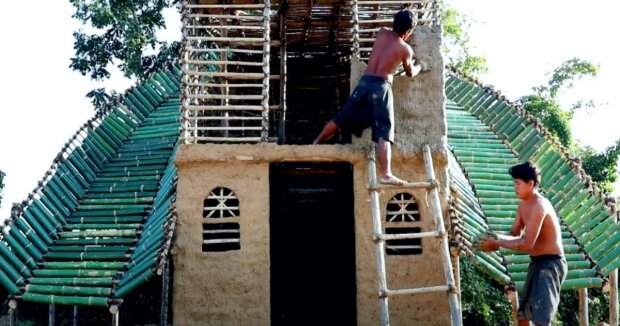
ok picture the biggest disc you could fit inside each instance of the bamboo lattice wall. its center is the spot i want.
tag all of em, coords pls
(236, 53)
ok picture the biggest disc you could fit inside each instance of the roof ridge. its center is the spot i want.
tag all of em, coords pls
(18, 208)
(574, 162)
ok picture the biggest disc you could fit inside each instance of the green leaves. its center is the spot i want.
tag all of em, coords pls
(602, 167)
(483, 301)
(119, 32)
(101, 99)
(570, 71)
(548, 111)
(456, 42)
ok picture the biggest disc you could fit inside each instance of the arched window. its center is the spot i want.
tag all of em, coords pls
(217, 234)
(221, 202)
(402, 209)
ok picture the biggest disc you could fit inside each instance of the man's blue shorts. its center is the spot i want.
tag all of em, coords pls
(370, 105)
(541, 293)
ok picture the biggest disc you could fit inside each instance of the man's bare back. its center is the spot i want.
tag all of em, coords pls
(388, 51)
(549, 239)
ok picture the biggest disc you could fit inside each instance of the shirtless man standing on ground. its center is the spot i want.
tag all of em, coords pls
(542, 240)
(371, 104)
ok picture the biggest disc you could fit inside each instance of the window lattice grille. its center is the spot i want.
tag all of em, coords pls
(402, 208)
(221, 203)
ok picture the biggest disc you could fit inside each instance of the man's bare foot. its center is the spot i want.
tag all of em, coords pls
(392, 180)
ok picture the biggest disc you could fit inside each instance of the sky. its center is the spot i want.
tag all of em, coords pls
(43, 103)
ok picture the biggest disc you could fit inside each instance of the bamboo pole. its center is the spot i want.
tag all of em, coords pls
(283, 72)
(185, 113)
(208, 50)
(222, 61)
(356, 28)
(242, 40)
(583, 307)
(242, 27)
(455, 308)
(13, 312)
(457, 271)
(75, 315)
(436, 14)
(240, 17)
(116, 318)
(513, 297)
(225, 97)
(613, 293)
(231, 75)
(165, 282)
(224, 6)
(52, 315)
(266, 73)
(404, 2)
(379, 244)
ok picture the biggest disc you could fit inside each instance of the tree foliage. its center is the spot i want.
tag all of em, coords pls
(483, 301)
(601, 166)
(121, 34)
(549, 112)
(567, 314)
(565, 75)
(544, 103)
(456, 44)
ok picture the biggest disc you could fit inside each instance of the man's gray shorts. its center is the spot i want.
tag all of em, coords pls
(541, 292)
(370, 105)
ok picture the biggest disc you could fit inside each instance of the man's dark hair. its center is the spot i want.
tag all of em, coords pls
(403, 21)
(525, 171)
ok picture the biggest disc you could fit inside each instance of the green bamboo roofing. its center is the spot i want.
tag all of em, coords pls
(100, 222)
(487, 134)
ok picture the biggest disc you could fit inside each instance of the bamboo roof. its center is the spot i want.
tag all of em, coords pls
(487, 134)
(100, 222)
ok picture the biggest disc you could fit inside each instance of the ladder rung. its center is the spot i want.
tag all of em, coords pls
(409, 185)
(409, 235)
(439, 288)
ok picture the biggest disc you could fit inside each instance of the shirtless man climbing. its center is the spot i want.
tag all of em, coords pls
(371, 104)
(542, 239)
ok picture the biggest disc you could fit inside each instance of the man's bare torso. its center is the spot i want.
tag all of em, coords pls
(388, 51)
(549, 240)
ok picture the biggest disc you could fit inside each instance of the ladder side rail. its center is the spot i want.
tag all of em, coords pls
(455, 309)
(379, 244)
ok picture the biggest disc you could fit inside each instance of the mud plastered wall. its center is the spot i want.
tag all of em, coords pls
(222, 288)
(232, 288)
(216, 289)
(419, 120)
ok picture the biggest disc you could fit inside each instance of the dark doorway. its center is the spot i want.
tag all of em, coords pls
(312, 244)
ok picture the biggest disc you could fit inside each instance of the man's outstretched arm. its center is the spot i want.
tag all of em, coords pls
(411, 70)
(533, 225)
